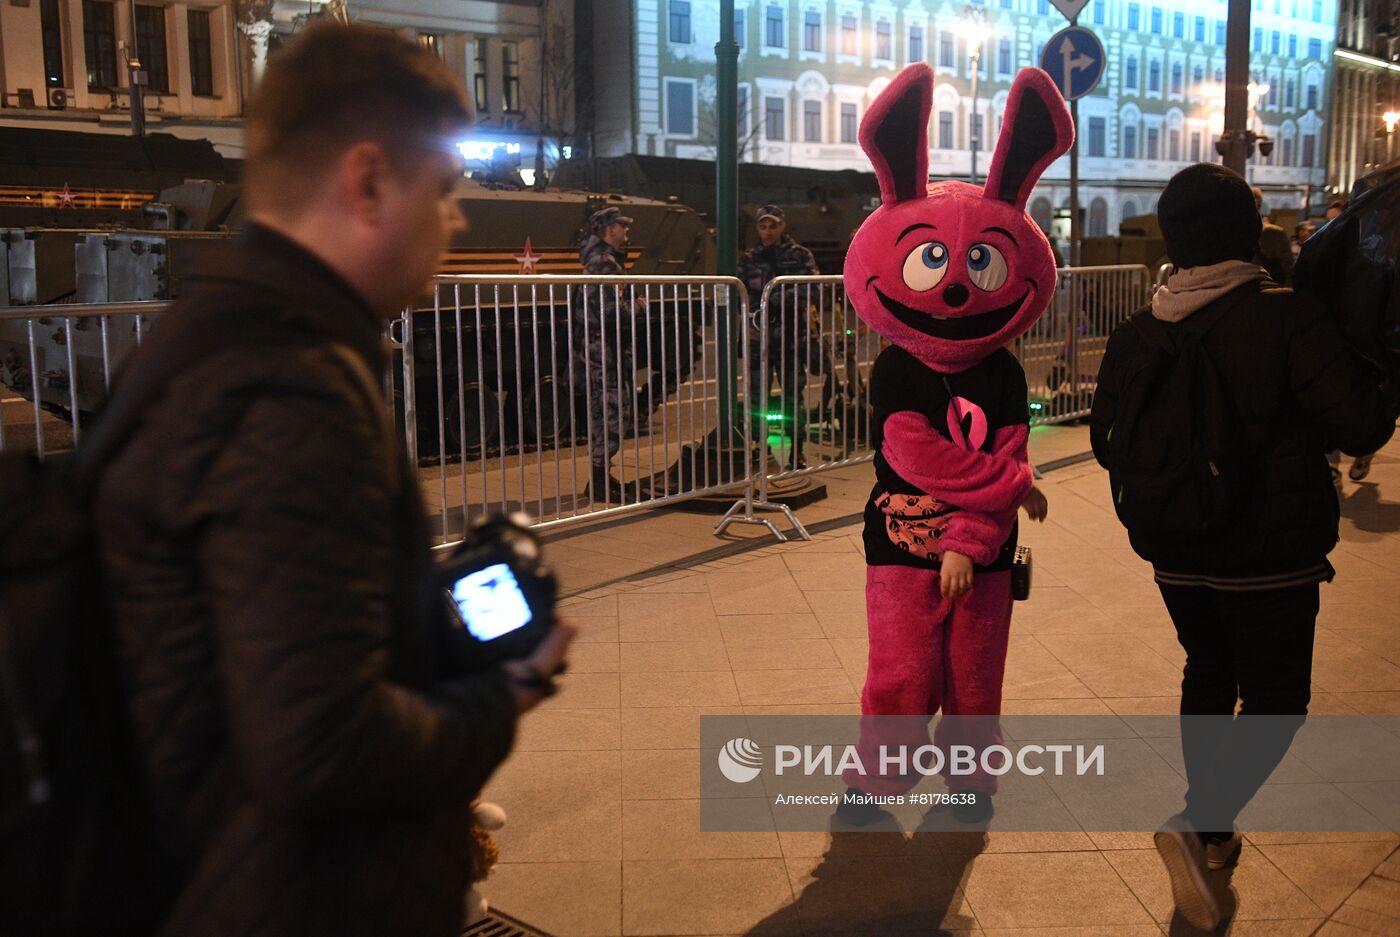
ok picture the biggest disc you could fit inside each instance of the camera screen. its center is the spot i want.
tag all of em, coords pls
(490, 602)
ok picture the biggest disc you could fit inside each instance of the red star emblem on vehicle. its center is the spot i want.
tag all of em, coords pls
(528, 260)
(66, 198)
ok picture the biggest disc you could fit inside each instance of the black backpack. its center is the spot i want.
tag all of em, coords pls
(1177, 458)
(77, 852)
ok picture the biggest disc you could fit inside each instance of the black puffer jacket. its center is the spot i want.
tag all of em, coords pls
(310, 748)
(1299, 392)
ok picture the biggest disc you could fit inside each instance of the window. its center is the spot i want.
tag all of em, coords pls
(811, 31)
(510, 77)
(1099, 11)
(1098, 130)
(1130, 143)
(1130, 73)
(1257, 45)
(680, 108)
(1292, 47)
(1273, 94)
(680, 21)
(884, 44)
(201, 53)
(1154, 75)
(1154, 143)
(740, 24)
(1200, 29)
(1290, 95)
(1157, 20)
(1176, 77)
(945, 130)
(1174, 145)
(1316, 17)
(773, 28)
(812, 121)
(1178, 25)
(945, 49)
(1133, 16)
(1219, 75)
(483, 102)
(773, 118)
(1195, 146)
(1274, 42)
(743, 113)
(100, 44)
(1007, 4)
(1314, 48)
(150, 47)
(848, 123)
(52, 29)
(975, 134)
(1198, 78)
(1312, 100)
(1309, 149)
(849, 35)
(1098, 218)
(1130, 209)
(1004, 56)
(1220, 34)
(916, 43)
(1042, 7)
(1287, 151)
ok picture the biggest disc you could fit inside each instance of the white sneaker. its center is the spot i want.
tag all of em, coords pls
(1226, 852)
(1184, 856)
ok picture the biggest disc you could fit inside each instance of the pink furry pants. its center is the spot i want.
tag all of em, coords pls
(929, 654)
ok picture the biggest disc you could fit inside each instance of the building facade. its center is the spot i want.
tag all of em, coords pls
(1366, 94)
(63, 64)
(808, 69)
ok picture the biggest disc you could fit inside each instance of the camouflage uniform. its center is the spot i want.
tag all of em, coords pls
(605, 332)
(789, 338)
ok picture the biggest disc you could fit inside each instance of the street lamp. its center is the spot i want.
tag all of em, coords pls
(975, 31)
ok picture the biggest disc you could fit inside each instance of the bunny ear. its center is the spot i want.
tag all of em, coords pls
(1036, 131)
(894, 134)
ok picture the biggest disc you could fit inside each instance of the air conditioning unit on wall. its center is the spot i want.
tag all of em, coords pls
(60, 98)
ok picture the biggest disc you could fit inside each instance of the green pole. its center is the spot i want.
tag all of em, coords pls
(727, 206)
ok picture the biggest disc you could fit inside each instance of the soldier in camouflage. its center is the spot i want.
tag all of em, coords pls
(606, 326)
(777, 255)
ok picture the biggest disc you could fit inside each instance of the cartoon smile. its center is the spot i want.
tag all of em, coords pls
(961, 328)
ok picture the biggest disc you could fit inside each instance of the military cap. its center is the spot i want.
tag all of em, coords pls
(603, 217)
(771, 211)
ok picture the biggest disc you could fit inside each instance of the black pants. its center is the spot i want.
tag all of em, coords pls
(1250, 647)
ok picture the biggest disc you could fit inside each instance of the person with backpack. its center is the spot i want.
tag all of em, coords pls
(1214, 410)
(305, 727)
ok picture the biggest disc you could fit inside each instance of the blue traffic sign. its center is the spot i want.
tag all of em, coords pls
(1075, 59)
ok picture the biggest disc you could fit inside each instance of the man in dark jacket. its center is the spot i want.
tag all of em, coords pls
(310, 736)
(1243, 595)
(1274, 253)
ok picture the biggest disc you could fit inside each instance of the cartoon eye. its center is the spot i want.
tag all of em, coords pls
(986, 267)
(925, 266)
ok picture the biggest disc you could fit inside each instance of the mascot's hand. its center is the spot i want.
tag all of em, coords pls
(1035, 504)
(955, 574)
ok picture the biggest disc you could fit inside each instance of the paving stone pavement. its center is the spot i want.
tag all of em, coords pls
(602, 791)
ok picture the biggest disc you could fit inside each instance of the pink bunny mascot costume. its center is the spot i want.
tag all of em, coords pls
(948, 273)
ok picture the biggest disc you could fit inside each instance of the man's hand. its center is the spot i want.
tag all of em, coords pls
(1035, 504)
(641, 302)
(541, 666)
(955, 576)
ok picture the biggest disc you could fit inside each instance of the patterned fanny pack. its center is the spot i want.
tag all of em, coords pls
(914, 522)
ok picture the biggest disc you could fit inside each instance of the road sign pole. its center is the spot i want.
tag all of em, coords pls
(1074, 232)
(1236, 86)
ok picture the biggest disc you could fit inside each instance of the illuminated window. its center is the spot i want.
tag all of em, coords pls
(510, 77)
(100, 44)
(432, 42)
(51, 27)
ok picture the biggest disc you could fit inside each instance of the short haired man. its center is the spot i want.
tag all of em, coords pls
(1274, 252)
(607, 332)
(309, 731)
(1244, 595)
(778, 255)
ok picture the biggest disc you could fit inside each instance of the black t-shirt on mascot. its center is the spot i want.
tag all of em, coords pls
(899, 381)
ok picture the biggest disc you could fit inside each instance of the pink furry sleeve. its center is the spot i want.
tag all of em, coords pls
(991, 482)
(976, 535)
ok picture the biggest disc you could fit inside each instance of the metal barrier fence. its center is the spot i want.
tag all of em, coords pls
(807, 340)
(583, 397)
(572, 396)
(56, 367)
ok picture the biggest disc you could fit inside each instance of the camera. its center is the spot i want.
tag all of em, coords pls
(498, 591)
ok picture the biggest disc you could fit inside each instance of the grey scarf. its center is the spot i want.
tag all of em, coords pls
(1194, 288)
